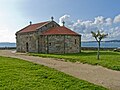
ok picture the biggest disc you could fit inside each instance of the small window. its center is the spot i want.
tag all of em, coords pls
(75, 41)
(52, 25)
(49, 44)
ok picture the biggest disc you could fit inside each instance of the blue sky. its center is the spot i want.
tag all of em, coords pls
(79, 16)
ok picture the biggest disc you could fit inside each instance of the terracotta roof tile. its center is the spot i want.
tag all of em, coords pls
(60, 30)
(32, 27)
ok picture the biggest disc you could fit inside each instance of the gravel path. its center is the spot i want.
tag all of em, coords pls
(94, 74)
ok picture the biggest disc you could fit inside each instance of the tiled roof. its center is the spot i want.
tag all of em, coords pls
(32, 27)
(61, 30)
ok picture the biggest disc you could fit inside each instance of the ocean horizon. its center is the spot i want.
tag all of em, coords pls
(103, 44)
(83, 44)
(7, 44)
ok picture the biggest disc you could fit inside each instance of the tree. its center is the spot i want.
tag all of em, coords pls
(98, 36)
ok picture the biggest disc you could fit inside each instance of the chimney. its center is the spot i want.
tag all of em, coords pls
(63, 23)
(30, 23)
(52, 18)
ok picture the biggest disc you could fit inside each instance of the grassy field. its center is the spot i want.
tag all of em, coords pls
(16, 74)
(108, 59)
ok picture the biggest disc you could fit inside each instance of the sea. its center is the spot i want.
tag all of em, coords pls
(83, 44)
(4, 44)
(103, 44)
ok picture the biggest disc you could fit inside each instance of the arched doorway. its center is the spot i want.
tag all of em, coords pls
(27, 49)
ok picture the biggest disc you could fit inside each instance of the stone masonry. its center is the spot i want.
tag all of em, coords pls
(34, 41)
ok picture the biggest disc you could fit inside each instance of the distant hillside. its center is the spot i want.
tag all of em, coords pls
(104, 41)
(113, 41)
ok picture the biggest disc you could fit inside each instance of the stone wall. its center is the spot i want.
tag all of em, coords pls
(72, 44)
(35, 42)
(28, 42)
(27, 38)
(56, 44)
(59, 44)
(43, 44)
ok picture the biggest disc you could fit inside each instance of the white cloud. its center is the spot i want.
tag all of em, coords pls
(100, 20)
(117, 19)
(5, 34)
(66, 19)
(10, 20)
(114, 32)
(109, 21)
(99, 23)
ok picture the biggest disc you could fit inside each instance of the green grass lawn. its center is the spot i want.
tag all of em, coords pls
(108, 59)
(16, 74)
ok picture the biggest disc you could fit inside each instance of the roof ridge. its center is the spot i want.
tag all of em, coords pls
(70, 29)
(40, 23)
(60, 30)
(23, 28)
(43, 24)
(35, 26)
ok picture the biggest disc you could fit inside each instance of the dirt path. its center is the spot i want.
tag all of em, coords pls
(94, 74)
